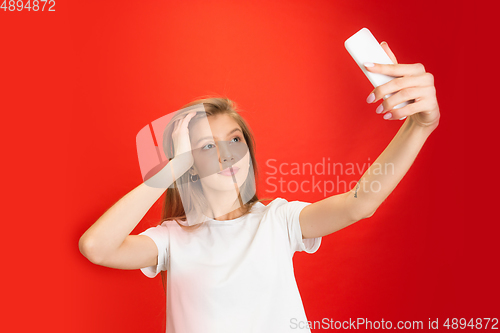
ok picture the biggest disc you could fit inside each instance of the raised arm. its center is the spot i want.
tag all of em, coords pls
(413, 83)
(108, 241)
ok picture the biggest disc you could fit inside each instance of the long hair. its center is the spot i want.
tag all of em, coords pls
(173, 208)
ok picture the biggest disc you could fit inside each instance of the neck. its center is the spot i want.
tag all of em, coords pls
(224, 205)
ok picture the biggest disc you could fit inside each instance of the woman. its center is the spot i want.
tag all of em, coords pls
(232, 270)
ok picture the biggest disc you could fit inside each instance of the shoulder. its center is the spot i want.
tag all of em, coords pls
(285, 208)
(164, 226)
(281, 203)
(173, 224)
(277, 202)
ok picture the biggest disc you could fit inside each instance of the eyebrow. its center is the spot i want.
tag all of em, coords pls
(209, 137)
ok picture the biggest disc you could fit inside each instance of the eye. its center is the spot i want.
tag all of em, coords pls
(205, 147)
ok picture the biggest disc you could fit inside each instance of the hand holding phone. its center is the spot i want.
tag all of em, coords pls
(363, 47)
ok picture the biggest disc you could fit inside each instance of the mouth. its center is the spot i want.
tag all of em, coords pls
(227, 172)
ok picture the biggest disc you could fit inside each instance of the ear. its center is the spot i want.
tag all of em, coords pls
(387, 50)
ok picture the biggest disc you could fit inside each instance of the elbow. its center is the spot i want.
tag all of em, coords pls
(364, 215)
(370, 214)
(359, 210)
(87, 250)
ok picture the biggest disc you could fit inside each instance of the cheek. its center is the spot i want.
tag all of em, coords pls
(245, 161)
(206, 162)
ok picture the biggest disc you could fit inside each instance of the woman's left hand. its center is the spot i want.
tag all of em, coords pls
(412, 83)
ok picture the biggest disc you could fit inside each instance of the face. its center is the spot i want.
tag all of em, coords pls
(216, 148)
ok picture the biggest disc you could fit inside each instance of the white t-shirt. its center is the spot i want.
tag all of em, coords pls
(234, 275)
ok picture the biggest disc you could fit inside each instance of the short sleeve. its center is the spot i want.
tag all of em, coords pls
(290, 212)
(160, 236)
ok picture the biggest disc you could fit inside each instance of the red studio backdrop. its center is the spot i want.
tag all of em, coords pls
(79, 82)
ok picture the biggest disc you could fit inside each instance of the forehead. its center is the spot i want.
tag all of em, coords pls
(217, 126)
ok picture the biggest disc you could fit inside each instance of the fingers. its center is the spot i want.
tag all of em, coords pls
(412, 108)
(187, 119)
(410, 83)
(183, 123)
(420, 104)
(399, 84)
(176, 126)
(389, 52)
(396, 69)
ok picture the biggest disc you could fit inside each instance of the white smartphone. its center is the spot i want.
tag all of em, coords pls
(363, 47)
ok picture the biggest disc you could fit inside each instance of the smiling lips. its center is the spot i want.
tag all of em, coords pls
(227, 172)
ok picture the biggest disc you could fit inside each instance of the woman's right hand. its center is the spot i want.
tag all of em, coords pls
(183, 157)
(182, 146)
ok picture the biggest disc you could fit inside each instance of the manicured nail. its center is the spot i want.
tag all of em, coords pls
(403, 118)
(387, 115)
(380, 108)
(370, 98)
(369, 64)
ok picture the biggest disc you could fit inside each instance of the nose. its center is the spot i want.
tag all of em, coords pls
(226, 159)
(225, 155)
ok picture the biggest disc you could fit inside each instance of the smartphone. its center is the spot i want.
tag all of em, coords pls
(364, 47)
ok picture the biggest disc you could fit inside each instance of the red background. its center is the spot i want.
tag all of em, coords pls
(80, 82)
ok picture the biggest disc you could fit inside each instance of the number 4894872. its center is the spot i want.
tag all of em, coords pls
(35, 5)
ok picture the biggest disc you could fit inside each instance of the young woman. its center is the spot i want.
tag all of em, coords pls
(232, 271)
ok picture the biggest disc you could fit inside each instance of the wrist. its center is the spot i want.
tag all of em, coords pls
(424, 128)
(428, 126)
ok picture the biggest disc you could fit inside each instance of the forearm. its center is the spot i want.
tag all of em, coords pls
(388, 169)
(111, 229)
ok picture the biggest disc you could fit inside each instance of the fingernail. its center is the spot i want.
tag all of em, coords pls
(369, 64)
(387, 115)
(370, 98)
(403, 118)
(380, 108)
